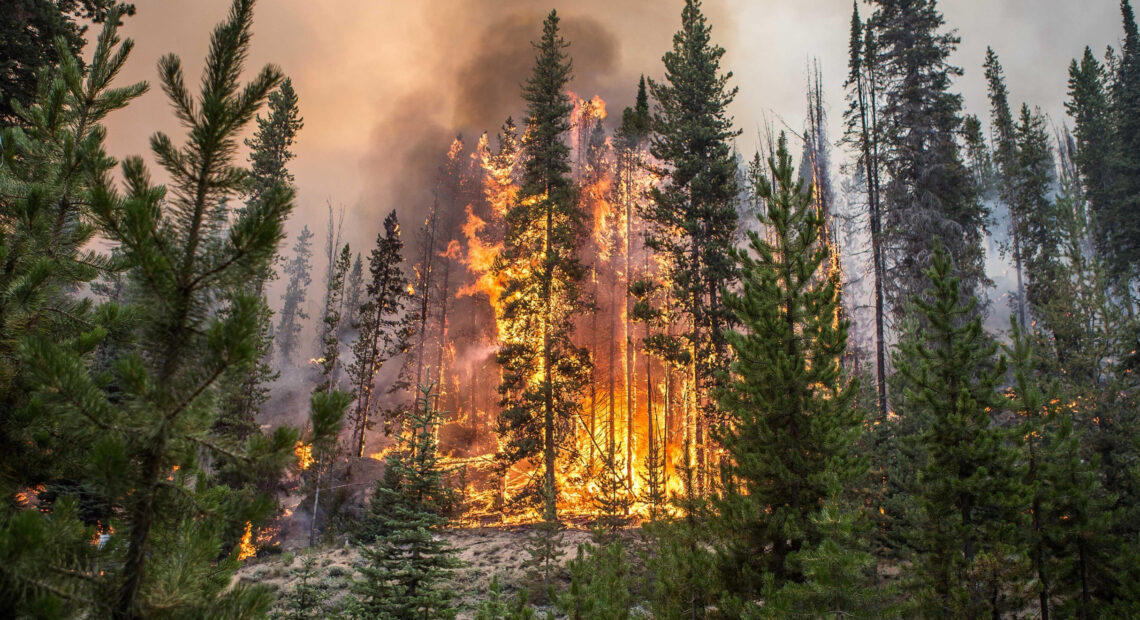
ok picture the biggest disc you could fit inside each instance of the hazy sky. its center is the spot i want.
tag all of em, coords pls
(384, 85)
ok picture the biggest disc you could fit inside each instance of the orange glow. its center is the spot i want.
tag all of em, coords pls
(304, 454)
(246, 549)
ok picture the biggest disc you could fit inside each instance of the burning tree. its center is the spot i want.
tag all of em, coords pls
(543, 372)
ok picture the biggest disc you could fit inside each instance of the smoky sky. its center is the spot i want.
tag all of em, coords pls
(385, 85)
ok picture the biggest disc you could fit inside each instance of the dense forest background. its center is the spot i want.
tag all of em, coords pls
(876, 363)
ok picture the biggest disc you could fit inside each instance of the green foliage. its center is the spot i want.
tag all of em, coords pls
(306, 600)
(968, 489)
(927, 191)
(600, 577)
(680, 562)
(792, 419)
(143, 431)
(407, 562)
(41, 35)
(838, 576)
(495, 608)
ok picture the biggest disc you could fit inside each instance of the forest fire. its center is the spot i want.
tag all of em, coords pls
(628, 418)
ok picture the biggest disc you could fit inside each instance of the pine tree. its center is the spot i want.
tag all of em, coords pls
(495, 608)
(683, 582)
(1038, 217)
(305, 600)
(288, 333)
(599, 588)
(969, 489)
(862, 132)
(408, 562)
(331, 320)
(928, 192)
(50, 165)
(40, 35)
(172, 527)
(1122, 221)
(791, 410)
(837, 574)
(353, 295)
(1006, 160)
(543, 372)
(386, 295)
(1089, 107)
(692, 213)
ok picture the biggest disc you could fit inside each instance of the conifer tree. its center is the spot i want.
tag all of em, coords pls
(42, 35)
(331, 320)
(495, 608)
(1038, 217)
(305, 600)
(1006, 160)
(683, 582)
(599, 588)
(692, 213)
(298, 270)
(386, 295)
(408, 561)
(969, 490)
(173, 526)
(927, 192)
(861, 120)
(791, 410)
(270, 152)
(1122, 220)
(543, 372)
(353, 294)
(1089, 107)
(837, 576)
(50, 164)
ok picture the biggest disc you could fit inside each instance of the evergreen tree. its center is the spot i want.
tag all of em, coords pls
(405, 567)
(682, 568)
(1089, 107)
(978, 158)
(1122, 221)
(49, 169)
(353, 295)
(1006, 160)
(791, 411)
(928, 192)
(1038, 218)
(31, 32)
(969, 491)
(386, 295)
(495, 608)
(692, 214)
(298, 268)
(305, 600)
(862, 132)
(837, 574)
(600, 577)
(146, 441)
(331, 320)
(543, 372)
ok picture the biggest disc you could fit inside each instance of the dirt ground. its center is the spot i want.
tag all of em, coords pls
(485, 552)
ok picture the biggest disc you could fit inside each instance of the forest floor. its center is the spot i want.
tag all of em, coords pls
(485, 552)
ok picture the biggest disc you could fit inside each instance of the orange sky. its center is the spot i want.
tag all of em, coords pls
(383, 85)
